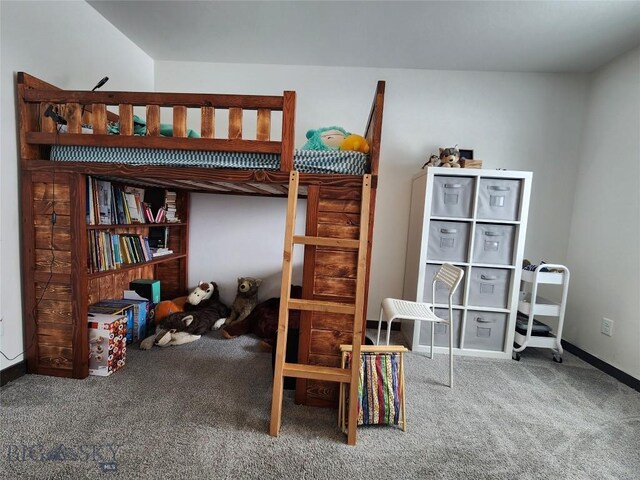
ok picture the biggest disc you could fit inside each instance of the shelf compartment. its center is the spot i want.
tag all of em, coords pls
(129, 266)
(552, 278)
(542, 306)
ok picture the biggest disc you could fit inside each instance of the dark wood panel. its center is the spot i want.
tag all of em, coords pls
(338, 231)
(55, 334)
(50, 191)
(56, 261)
(45, 220)
(53, 291)
(334, 263)
(327, 360)
(331, 321)
(326, 342)
(322, 394)
(330, 205)
(59, 240)
(52, 356)
(339, 218)
(331, 286)
(46, 207)
(54, 311)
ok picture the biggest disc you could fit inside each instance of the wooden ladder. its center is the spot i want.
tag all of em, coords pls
(342, 375)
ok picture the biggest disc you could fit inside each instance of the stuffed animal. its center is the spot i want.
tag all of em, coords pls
(263, 320)
(356, 143)
(327, 138)
(434, 161)
(449, 157)
(199, 298)
(185, 327)
(246, 299)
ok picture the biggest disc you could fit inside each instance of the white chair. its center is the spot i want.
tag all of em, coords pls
(393, 309)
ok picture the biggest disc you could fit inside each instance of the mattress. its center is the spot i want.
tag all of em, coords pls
(305, 161)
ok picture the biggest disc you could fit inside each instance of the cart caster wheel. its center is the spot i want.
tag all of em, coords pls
(516, 356)
(557, 358)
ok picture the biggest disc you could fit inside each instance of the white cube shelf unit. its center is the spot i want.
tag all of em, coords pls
(475, 219)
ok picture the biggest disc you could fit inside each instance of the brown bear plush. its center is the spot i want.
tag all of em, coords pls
(263, 320)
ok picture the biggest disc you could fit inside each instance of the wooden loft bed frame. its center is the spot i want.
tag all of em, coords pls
(56, 285)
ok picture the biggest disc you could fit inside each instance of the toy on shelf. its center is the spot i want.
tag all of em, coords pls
(356, 143)
(326, 138)
(450, 157)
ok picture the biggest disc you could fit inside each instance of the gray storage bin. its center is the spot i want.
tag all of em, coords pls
(442, 330)
(442, 291)
(498, 199)
(489, 287)
(448, 241)
(452, 196)
(485, 330)
(494, 244)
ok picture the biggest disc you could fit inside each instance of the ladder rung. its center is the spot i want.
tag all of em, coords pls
(326, 241)
(317, 372)
(321, 306)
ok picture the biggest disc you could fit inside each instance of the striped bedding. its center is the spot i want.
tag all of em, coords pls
(306, 161)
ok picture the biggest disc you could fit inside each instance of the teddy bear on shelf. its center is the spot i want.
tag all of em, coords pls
(245, 301)
(450, 157)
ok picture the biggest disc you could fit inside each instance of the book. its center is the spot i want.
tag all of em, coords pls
(104, 201)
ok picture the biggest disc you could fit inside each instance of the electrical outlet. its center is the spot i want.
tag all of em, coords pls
(607, 326)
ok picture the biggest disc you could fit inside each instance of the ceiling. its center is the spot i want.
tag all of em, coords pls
(517, 36)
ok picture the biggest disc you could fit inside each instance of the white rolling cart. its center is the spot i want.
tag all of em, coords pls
(532, 305)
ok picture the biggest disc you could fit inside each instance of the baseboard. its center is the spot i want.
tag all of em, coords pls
(12, 373)
(619, 375)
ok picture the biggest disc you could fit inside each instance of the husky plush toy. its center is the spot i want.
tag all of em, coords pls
(185, 327)
(246, 300)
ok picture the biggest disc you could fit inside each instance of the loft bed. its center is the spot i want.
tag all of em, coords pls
(55, 161)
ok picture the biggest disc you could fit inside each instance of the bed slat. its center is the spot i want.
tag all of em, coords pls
(99, 118)
(263, 131)
(48, 124)
(73, 118)
(207, 122)
(153, 120)
(126, 118)
(235, 123)
(179, 121)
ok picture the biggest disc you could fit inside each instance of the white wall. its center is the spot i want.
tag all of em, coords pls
(511, 120)
(604, 242)
(72, 46)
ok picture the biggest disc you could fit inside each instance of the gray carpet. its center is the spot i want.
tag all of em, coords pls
(202, 411)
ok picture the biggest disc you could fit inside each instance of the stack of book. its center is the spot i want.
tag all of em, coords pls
(110, 251)
(170, 201)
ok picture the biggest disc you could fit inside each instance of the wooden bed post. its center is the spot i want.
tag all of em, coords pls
(288, 131)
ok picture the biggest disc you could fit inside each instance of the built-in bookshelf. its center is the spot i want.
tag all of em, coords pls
(129, 225)
(81, 254)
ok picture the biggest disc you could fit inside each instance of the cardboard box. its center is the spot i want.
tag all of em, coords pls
(116, 309)
(149, 289)
(471, 163)
(107, 343)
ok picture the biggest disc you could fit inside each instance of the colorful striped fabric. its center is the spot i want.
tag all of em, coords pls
(379, 390)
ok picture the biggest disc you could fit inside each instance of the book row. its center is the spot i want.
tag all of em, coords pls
(112, 204)
(109, 251)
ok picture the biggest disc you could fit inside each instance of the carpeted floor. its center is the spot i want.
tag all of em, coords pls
(202, 411)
